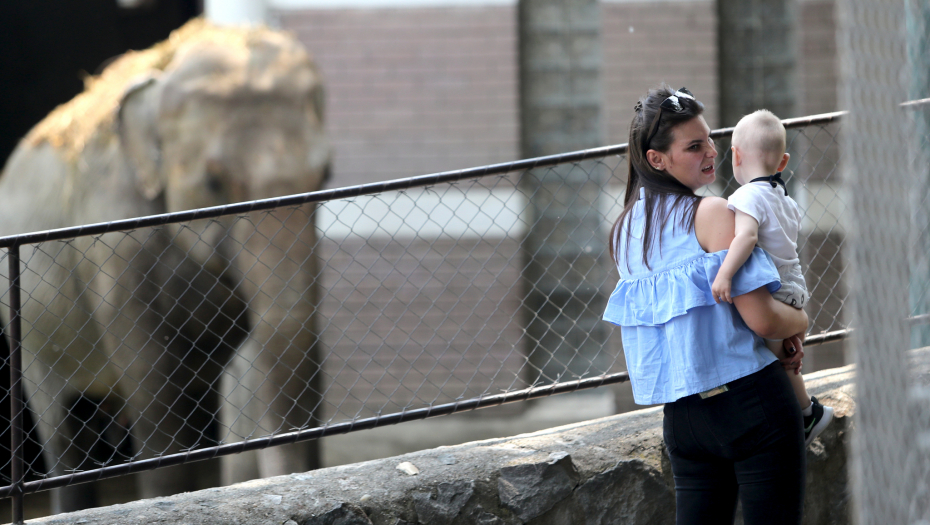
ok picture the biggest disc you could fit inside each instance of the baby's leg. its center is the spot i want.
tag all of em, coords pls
(797, 380)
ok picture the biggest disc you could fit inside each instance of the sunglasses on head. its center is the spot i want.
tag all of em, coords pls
(672, 103)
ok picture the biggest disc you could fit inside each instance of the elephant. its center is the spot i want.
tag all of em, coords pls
(187, 325)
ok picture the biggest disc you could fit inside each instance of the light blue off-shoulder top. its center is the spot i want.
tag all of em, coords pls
(677, 340)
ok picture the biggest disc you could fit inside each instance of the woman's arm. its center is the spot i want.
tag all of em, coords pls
(714, 225)
(768, 317)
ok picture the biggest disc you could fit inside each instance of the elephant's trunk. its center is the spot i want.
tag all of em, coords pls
(274, 382)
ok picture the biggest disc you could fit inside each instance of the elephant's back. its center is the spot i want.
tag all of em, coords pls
(73, 125)
(33, 190)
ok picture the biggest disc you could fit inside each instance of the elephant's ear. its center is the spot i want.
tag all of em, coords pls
(138, 134)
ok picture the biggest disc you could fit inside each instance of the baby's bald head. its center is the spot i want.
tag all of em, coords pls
(761, 135)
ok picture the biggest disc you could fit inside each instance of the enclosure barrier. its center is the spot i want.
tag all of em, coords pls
(419, 302)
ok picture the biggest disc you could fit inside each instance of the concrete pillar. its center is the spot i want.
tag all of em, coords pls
(235, 12)
(757, 62)
(564, 264)
(757, 57)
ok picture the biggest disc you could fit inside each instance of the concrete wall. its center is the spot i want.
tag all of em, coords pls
(610, 470)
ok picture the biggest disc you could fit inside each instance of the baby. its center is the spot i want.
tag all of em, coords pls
(767, 216)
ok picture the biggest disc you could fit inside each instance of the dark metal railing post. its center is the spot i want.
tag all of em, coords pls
(16, 388)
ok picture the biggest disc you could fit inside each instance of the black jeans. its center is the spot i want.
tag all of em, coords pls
(747, 442)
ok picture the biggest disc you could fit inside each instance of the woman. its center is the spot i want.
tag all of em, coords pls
(732, 424)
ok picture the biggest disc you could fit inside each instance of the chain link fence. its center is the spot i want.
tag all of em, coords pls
(169, 339)
(884, 47)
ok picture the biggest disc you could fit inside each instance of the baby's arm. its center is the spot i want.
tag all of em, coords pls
(747, 233)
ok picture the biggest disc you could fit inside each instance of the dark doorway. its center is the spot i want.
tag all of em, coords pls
(47, 47)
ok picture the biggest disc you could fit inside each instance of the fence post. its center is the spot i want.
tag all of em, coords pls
(885, 459)
(16, 388)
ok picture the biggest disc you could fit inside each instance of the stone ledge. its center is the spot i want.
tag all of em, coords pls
(609, 470)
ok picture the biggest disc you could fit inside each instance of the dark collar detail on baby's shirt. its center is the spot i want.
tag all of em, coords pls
(774, 180)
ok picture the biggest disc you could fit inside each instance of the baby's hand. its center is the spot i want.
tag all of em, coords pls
(721, 289)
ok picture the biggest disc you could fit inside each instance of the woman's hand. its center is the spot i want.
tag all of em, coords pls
(794, 349)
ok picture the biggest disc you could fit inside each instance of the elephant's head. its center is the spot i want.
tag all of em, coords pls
(230, 118)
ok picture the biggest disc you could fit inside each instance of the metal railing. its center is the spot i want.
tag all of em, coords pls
(417, 294)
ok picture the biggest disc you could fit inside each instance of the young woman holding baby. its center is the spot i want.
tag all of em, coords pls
(733, 427)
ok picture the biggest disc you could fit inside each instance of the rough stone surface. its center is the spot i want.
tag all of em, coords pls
(643, 500)
(529, 490)
(446, 504)
(344, 514)
(610, 470)
(486, 518)
(408, 468)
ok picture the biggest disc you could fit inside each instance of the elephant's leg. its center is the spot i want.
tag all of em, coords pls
(152, 359)
(268, 393)
(234, 423)
(171, 411)
(62, 451)
(293, 398)
(274, 381)
(61, 364)
(73, 498)
(280, 460)
(209, 314)
(165, 420)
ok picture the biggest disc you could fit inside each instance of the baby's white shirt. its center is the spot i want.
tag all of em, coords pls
(778, 216)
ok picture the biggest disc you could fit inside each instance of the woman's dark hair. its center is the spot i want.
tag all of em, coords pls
(655, 116)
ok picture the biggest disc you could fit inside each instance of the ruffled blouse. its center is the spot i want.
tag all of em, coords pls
(676, 339)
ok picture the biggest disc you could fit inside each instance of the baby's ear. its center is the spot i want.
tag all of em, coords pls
(737, 158)
(784, 162)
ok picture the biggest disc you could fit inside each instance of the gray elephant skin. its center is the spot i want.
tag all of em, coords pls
(180, 326)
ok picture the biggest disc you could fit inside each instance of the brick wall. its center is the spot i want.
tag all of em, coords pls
(646, 43)
(422, 89)
(819, 78)
(819, 74)
(415, 90)
(417, 324)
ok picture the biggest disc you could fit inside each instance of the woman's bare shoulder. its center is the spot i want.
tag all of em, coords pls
(712, 205)
(714, 224)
